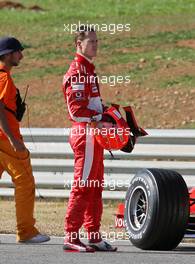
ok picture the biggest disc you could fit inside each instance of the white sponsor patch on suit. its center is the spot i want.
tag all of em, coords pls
(117, 114)
(78, 95)
(78, 87)
(94, 89)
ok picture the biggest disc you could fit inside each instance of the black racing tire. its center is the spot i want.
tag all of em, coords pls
(156, 209)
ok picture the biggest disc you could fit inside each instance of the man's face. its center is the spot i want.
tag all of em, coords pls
(13, 59)
(88, 46)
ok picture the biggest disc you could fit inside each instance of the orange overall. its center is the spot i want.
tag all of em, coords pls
(17, 163)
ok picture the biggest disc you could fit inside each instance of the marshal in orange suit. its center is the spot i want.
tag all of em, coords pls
(14, 156)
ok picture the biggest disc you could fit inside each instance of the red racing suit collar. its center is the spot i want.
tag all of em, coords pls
(84, 61)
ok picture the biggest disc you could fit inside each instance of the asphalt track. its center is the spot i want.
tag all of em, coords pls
(51, 252)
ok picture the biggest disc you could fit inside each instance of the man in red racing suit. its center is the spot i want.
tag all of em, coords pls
(82, 95)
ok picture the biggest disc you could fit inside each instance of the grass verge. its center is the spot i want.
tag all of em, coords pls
(49, 216)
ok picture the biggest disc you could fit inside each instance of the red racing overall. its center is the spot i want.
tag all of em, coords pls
(81, 90)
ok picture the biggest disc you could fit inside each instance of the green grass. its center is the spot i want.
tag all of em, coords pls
(39, 73)
(151, 40)
(49, 216)
(49, 25)
(190, 126)
(186, 80)
(44, 37)
(132, 7)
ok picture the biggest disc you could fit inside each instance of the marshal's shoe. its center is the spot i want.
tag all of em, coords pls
(36, 239)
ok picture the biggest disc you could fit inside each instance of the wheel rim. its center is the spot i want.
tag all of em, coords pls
(138, 208)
